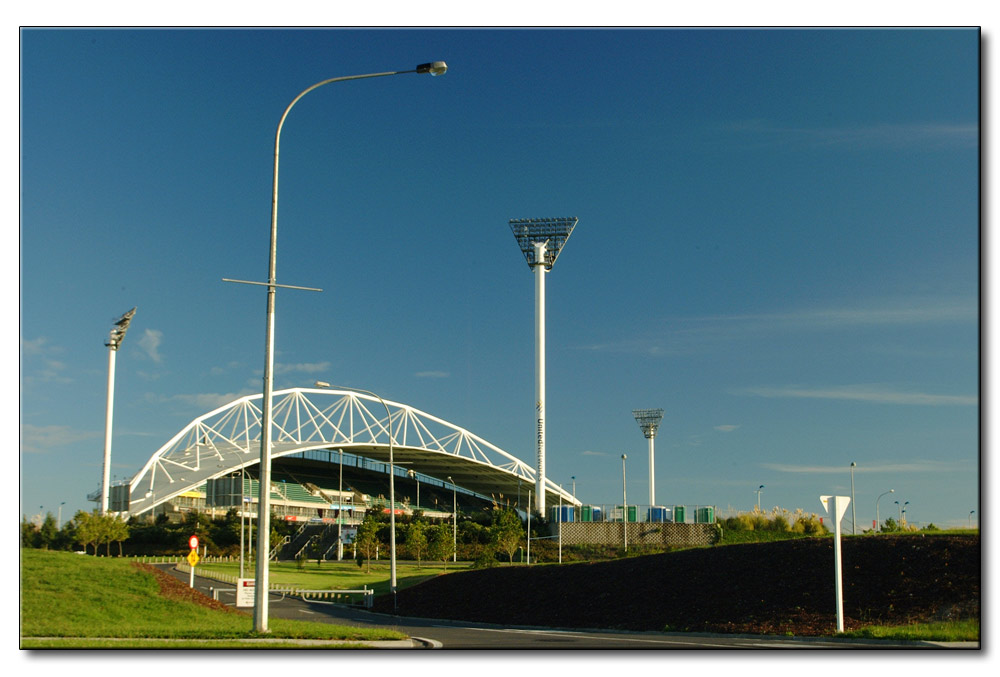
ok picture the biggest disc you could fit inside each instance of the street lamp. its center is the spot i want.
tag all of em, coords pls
(263, 527)
(454, 515)
(901, 510)
(878, 518)
(759, 489)
(971, 513)
(115, 339)
(392, 486)
(624, 504)
(59, 518)
(416, 479)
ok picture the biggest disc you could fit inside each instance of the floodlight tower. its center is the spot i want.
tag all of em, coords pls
(115, 339)
(540, 241)
(649, 423)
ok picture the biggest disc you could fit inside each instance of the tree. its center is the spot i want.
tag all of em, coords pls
(506, 531)
(890, 525)
(87, 530)
(366, 540)
(117, 531)
(441, 545)
(47, 534)
(416, 538)
(29, 533)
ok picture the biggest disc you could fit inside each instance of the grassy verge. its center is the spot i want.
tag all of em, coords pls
(345, 575)
(950, 631)
(64, 595)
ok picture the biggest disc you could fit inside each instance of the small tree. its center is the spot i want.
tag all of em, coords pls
(505, 532)
(366, 540)
(416, 539)
(87, 531)
(441, 545)
(48, 532)
(117, 531)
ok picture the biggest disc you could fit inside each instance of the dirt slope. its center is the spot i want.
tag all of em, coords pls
(783, 587)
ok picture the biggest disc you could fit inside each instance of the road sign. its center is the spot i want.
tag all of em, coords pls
(193, 542)
(245, 591)
(193, 557)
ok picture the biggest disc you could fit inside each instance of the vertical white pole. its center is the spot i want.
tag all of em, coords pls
(528, 556)
(837, 563)
(624, 505)
(652, 475)
(540, 373)
(106, 474)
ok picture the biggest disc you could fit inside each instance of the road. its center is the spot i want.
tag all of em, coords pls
(442, 634)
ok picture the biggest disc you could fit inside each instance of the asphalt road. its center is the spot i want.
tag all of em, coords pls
(441, 634)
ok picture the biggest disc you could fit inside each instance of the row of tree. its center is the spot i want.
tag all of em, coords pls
(438, 541)
(86, 529)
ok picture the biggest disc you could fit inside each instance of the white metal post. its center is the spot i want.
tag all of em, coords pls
(540, 373)
(624, 504)
(528, 556)
(652, 475)
(106, 473)
(836, 506)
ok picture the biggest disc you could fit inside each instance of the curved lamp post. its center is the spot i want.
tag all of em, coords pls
(878, 518)
(264, 522)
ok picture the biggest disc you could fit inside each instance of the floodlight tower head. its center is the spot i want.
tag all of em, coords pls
(553, 233)
(118, 331)
(648, 420)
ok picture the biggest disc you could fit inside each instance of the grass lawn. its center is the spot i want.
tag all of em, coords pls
(344, 575)
(64, 595)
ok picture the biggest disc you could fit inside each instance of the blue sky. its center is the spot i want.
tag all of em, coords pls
(778, 244)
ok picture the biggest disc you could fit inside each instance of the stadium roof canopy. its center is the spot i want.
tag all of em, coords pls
(224, 440)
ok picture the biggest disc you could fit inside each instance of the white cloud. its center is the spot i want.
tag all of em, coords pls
(727, 428)
(302, 367)
(919, 466)
(432, 374)
(863, 393)
(39, 439)
(685, 335)
(150, 343)
(592, 453)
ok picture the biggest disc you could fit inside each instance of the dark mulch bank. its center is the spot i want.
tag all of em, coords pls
(784, 587)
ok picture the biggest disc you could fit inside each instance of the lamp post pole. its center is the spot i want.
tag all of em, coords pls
(624, 505)
(528, 555)
(454, 524)
(971, 513)
(878, 517)
(260, 610)
(759, 489)
(854, 520)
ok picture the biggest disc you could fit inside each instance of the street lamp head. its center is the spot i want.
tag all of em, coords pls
(761, 486)
(853, 464)
(434, 68)
(624, 457)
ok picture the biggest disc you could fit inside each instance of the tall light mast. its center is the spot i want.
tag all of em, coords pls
(540, 241)
(115, 339)
(649, 423)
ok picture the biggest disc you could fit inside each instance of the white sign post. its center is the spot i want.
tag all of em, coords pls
(836, 506)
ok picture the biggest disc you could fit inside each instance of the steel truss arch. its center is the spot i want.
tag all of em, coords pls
(228, 438)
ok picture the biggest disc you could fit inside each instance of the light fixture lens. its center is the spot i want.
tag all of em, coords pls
(434, 68)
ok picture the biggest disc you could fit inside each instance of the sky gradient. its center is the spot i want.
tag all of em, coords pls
(778, 244)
